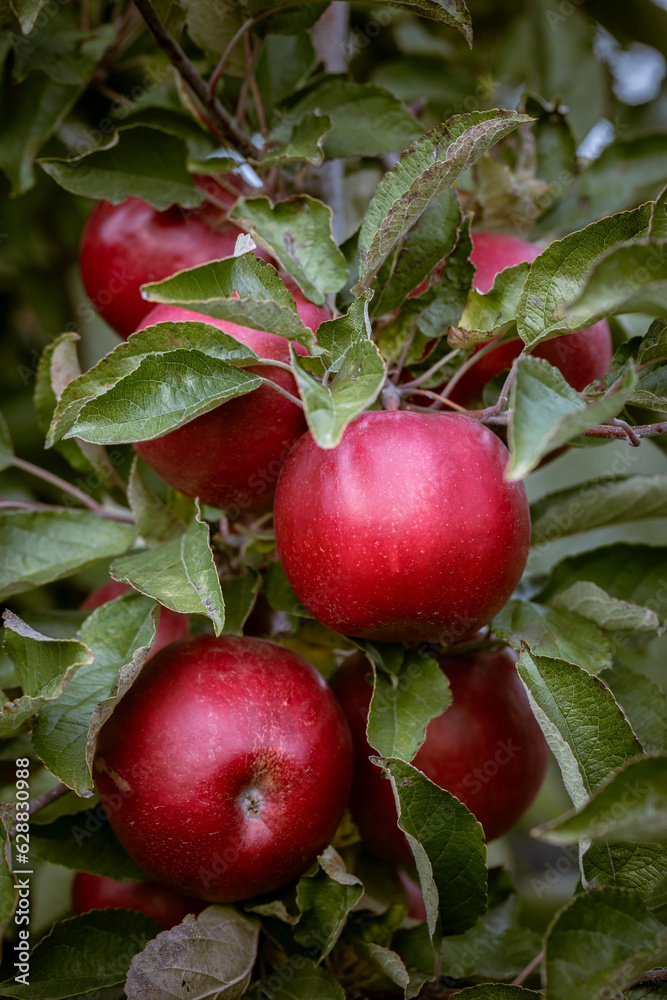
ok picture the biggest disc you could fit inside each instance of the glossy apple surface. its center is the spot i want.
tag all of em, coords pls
(94, 892)
(582, 357)
(231, 456)
(406, 530)
(125, 246)
(226, 768)
(171, 625)
(486, 748)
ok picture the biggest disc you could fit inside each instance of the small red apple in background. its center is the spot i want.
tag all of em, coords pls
(171, 624)
(231, 456)
(413, 895)
(95, 892)
(405, 531)
(582, 357)
(486, 749)
(125, 246)
(226, 768)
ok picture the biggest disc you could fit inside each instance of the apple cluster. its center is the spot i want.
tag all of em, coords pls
(227, 767)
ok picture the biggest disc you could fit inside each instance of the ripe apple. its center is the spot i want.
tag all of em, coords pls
(486, 748)
(95, 892)
(125, 246)
(231, 456)
(406, 531)
(582, 357)
(171, 624)
(226, 768)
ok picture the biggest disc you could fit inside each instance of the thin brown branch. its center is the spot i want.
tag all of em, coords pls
(41, 802)
(220, 68)
(108, 515)
(223, 122)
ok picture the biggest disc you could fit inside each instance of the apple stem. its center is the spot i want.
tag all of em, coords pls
(62, 484)
(221, 118)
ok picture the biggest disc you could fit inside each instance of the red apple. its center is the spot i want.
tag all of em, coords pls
(486, 748)
(125, 246)
(226, 768)
(171, 624)
(231, 456)
(582, 357)
(94, 892)
(406, 531)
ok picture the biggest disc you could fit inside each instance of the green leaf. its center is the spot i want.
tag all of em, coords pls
(654, 345)
(562, 66)
(284, 64)
(630, 806)
(640, 867)
(423, 247)
(6, 446)
(301, 980)
(592, 602)
(180, 574)
(31, 112)
(452, 13)
(600, 943)
(355, 386)
(244, 290)
(583, 725)
(429, 166)
(403, 704)
(43, 667)
(155, 522)
(559, 275)
(57, 367)
(598, 504)
(626, 280)
(26, 12)
(211, 25)
(239, 595)
(279, 593)
(84, 842)
(495, 992)
(45, 545)
(628, 172)
(492, 313)
(211, 956)
(448, 845)
(441, 306)
(8, 889)
(164, 392)
(497, 947)
(126, 358)
(632, 573)
(325, 898)
(547, 412)
(644, 704)
(82, 954)
(298, 233)
(366, 120)
(118, 633)
(299, 141)
(550, 631)
(138, 162)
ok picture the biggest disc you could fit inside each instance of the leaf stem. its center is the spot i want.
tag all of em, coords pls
(283, 392)
(431, 371)
(108, 515)
(220, 117)
(56, 481)
(523, 975)
(467, 365)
